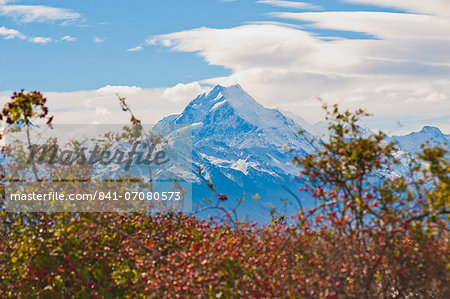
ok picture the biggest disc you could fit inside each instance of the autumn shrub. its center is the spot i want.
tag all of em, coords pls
(383, 234)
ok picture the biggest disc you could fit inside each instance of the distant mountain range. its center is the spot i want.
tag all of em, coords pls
(247, 149)
(412, 142)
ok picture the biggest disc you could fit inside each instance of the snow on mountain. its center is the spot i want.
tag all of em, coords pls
(242, 146)
(412, 142)
(245, 148)
(409, 144)
(228, 118)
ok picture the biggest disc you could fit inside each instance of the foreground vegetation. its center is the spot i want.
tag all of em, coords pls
(371, 235)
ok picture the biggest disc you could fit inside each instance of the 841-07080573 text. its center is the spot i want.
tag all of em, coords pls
(98, 195)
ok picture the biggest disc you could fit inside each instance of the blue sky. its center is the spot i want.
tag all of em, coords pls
(367, 53)
(85, 64)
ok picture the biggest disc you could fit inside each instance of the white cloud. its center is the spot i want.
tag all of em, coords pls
(40, 40)
(151, 42)
(258, 46)
(102, 111)
(288, 67)
(182, 92)
(405, 41)
(37, 13)
(135, 49)
(99, 39)
(68, 38)
(121, 90)
(11, 33)
(278, 48)
(102, 105)
(383, 25)
(433, 97)
(433, 7)
(166, 42)
(289, 4)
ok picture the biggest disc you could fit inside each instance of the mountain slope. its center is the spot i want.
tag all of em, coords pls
(247, 149)
(242, 147)
(412, 142)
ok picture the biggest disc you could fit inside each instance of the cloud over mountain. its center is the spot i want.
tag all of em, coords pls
(403, 59)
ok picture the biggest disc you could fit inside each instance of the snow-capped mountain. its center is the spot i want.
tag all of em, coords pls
(247, 149)
(242, 147)
(412, 142)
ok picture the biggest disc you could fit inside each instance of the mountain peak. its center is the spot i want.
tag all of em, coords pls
(431, 130)
(240, 119)
(413, 141)
(234, 94)
(234, 91)
(233, 86)
(221, 99)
